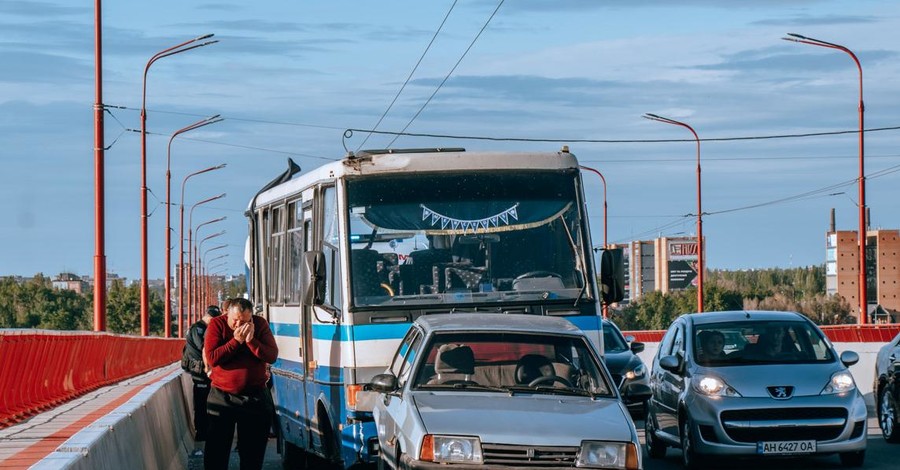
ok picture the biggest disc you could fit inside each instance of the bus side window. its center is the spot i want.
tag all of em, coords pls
(331, 248)
(295, 248)
(274, 250)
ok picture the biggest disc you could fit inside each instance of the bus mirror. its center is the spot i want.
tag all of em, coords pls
(313, 278)
(612, 275)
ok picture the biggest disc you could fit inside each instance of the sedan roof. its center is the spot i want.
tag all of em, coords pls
(496, 322)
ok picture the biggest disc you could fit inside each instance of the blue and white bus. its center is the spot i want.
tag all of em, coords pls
(344, 257)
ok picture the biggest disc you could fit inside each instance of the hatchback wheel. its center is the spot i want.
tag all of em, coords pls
(656, 448)
(887, 415)
(689, 457)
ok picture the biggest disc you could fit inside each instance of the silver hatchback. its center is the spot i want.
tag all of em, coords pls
(501, 391)
(750, 383)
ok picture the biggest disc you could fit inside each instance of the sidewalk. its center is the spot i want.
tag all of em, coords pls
(26, 443)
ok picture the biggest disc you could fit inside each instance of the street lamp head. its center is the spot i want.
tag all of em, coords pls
(205, 36)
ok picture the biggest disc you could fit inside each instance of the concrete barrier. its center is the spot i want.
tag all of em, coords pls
(150, 431)
(863, 371)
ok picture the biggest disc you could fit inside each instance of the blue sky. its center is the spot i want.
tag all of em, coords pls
(290, 76)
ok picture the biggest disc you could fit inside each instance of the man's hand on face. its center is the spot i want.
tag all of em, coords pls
(240, 333)
(250, 331)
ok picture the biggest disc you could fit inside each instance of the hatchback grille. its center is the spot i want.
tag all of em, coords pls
(786, 413)
(529, 456)
(749, 426)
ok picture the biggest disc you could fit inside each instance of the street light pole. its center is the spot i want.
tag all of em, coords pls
(191, 241)
(181, 248)
(145, 289)
(700, 266)
(201, 265)
(863, 287)
(605, 244)
(99, 178)
(168, 302)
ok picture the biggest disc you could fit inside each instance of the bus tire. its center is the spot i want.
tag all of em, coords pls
(329, 444)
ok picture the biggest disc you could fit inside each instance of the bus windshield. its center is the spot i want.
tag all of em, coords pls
(462, 238)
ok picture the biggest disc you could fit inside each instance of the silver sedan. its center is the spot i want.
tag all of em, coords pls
(499, 391)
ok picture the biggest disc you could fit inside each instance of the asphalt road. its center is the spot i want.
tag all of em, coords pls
(879, 456)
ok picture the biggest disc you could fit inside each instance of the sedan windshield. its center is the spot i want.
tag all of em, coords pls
(465, 238)
(511, 362)
(772, 342)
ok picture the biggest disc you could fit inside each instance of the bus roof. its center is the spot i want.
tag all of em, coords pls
(419, 161)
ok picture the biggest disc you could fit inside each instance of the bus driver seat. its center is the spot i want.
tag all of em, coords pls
(364, 270)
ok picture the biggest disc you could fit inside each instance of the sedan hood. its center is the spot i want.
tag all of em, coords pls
(753, 380)
(523, 418)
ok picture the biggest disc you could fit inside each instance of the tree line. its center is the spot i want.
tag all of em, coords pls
(36, 304)
(800, 290)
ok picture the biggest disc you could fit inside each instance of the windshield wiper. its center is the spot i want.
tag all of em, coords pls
(550, 390)
(464, 385)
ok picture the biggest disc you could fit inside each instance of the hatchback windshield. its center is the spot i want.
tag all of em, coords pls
(511, 361)
(775, 342)
(465, 238)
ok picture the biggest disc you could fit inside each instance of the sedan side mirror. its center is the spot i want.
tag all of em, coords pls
(671, 364)
(384, 383)
(849, 358)
(637, 347)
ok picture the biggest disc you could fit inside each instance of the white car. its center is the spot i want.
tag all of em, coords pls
(502, 391)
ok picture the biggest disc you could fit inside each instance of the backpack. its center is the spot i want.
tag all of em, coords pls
(191, 356)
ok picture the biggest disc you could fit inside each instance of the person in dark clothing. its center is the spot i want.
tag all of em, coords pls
(238, 346)
(192, 361)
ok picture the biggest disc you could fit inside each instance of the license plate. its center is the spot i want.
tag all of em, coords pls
(785, 447)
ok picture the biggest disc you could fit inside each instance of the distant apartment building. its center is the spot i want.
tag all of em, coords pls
(664, 264)
(882, 271)
(69, 281)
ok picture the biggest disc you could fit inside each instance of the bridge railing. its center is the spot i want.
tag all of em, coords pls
(40, 369)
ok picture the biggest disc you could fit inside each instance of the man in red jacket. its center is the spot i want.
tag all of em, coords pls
(238, 345)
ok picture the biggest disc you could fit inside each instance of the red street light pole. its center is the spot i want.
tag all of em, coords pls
(863, 288)
(605, 244)
(145, 289)
(181, 248)
(700, 267)
(168, 303)
(190, 234)
(201, 265)
(200, 303)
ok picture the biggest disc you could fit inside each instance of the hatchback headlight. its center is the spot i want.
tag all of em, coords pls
(600, 454)
(841, 382)
(713, 386)
(451, 449)
(636, 373)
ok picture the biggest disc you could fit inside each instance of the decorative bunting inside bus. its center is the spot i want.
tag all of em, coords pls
(466, 225)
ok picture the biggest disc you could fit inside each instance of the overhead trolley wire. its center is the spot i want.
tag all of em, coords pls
(408, 77)
(486, 23)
